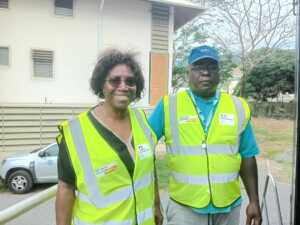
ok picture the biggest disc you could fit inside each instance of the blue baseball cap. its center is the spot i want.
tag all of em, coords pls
(203, 52)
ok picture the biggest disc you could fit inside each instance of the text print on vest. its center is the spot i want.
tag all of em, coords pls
(106, 169)
(226, 119)
(144, 151)
(188, 119)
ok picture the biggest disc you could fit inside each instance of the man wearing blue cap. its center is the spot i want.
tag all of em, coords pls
(210, 143)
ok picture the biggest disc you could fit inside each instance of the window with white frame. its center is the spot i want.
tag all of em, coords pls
(4, 4)
(42, 63)
(64, 7)
(4, 56)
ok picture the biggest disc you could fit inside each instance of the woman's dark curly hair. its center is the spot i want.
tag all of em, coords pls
(107, 61)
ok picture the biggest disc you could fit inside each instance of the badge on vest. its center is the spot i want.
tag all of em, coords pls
(226, 119)
(144, 151)
(188, 119)
(106, 169)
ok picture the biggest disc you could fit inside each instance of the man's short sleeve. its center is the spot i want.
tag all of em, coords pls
(64, 166)
(248, 146)
(157, 120)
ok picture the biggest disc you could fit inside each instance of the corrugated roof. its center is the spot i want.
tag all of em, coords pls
(184, 10)
(182, 3)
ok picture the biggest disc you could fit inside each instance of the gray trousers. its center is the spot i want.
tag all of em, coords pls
(181, 215)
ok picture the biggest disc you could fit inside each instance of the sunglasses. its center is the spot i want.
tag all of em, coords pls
(116, 81)
(201, 68)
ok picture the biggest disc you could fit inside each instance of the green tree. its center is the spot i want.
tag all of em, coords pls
(273, 75)
(246, 25)
(227, 63)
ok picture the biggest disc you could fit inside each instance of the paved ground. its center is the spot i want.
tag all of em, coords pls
(44, 215)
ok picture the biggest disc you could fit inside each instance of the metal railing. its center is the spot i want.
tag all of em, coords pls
(295, 3)
(20, 208)
(269, 178)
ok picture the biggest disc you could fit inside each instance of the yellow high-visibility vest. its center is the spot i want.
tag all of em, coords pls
(204, 167)
(105, 192)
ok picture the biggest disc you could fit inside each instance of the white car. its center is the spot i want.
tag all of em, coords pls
(21, 172)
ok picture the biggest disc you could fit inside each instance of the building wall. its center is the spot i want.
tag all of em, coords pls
(127, 25)
(27, 127)
(76, 42)
(159, 76)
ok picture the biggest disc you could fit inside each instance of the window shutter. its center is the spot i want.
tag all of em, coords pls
(4, 56)
(42, 63)
(160, 27)
(64, 7)
(3, 3)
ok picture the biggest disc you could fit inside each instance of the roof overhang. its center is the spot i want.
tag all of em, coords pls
(184, 11)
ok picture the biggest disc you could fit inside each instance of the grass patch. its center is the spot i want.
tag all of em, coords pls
(270, 153)
(286, 172)
(2, 187)
(273, 136)
(275, 139)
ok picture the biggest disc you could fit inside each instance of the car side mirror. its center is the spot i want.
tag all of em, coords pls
(42, 154)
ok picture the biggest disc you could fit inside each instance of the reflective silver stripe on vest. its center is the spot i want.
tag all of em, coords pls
(144, 181)
(197, 149)
(240, 111)
(222, 149)
(174, 124)
(203, 180)
(144, 127)
(89, 177)
(78, 222)
(145, 215)
(139, 184)
(105, 201)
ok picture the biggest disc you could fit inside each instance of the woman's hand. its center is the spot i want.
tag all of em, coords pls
(158, 216)
(65, 197)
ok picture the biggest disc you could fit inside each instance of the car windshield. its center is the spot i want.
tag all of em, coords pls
(52, 150)
(35, 150)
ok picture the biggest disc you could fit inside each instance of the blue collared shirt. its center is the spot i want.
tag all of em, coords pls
(206, 108)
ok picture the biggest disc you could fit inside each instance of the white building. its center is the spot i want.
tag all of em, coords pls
(48, 48)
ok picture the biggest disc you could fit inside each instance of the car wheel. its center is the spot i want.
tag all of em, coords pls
(19, 182)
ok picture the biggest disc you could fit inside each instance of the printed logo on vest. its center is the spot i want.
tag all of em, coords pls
(144, 151)
(188, 119)
(226, 119)
(106, 169)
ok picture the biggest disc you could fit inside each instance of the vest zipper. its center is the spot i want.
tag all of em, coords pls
(204, 146)
(134, 197)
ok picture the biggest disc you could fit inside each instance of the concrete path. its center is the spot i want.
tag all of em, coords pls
(42, 215)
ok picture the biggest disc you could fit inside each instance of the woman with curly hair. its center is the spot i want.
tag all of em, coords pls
(106, 158)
